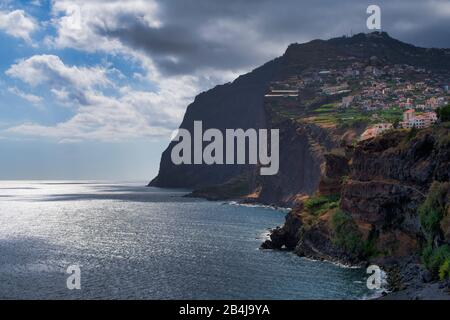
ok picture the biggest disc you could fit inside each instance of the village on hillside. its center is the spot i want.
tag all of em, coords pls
(384, 96)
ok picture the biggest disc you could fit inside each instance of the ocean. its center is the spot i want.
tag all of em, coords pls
(134, 242)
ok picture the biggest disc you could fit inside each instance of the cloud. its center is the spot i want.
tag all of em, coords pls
(126, 114)
(193, 36)
(50, 69)
(18, 24)
(36, 3)
(27, 96)
(68, 83)
(184, 46)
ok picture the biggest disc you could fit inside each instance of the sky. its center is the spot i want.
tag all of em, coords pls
(94, 89)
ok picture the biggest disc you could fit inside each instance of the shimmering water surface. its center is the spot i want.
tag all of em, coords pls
(133, 242)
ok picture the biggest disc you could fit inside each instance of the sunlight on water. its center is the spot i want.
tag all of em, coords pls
(146, 243)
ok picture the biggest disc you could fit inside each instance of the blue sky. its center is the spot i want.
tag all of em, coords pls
(94, 89)
(42, 154)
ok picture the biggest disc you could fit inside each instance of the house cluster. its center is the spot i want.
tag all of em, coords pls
(404, 92)
(411, 119)
(369, 87)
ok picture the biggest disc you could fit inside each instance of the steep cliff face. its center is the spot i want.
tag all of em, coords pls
(234, 105)
(381, 183)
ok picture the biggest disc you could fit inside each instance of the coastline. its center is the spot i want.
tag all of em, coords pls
(412, 285)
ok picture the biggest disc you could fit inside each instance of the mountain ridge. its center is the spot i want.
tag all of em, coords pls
(241, 104)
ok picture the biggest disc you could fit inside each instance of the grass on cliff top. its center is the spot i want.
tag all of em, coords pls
(352, 117)
(331, 115)
(318, 205)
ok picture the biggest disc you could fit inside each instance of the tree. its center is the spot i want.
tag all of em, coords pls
(443, 113)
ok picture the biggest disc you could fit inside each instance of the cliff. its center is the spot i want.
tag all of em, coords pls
(233, 105)
(305, 137)
(385, 201)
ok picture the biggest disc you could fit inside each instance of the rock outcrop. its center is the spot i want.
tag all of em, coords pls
(381, 183)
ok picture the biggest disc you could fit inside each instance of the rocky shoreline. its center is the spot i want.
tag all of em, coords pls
(371, 208)
(365, 210)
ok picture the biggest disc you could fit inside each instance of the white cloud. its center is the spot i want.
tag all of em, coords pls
(27, 96)
(36, 3)
(18, 24)
(126, 114)
(79, 24)
(78, 21)
(51, 70)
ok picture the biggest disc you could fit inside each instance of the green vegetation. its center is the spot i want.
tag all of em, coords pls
(391, 115)
(346, 232)
(412, 133)
(348, 237)
(443, 113)
(444, 270)
(354, 117)
(332, 114)
(318, 205)
(432, 210)
(437, 260)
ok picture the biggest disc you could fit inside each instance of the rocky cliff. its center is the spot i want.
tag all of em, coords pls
(304, 140)
(376, 204)
(233, 105)
(383, 200)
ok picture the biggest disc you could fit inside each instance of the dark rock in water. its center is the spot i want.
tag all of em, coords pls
(286, 236)
(268, 244)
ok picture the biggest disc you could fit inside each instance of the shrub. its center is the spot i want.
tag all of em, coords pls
(412, 134)
(432, 210)
(437, 260)
(444, 270)
(443, 113)
(349, 238)
(346, 233)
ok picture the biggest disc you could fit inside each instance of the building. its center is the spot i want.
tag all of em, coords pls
(410, 119)
(375, 130)
(282, 94)
(347, 101)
